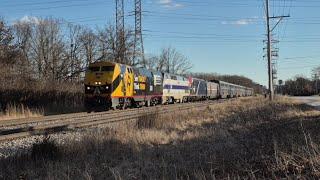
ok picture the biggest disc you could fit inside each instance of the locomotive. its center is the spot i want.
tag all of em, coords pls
(114, 85)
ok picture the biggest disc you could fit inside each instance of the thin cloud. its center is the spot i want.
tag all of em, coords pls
(165, 1)
(170, 4)
(241, 22)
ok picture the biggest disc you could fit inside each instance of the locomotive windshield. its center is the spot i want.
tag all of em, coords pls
(94, 69)
(103, 68)
(107, 68)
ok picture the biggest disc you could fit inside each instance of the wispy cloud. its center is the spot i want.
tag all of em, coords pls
(241, 22)
(170, 4)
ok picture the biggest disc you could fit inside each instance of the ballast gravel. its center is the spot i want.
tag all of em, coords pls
(24, 145)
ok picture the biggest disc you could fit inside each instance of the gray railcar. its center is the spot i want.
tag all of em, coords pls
(198, 89)
(212, 90)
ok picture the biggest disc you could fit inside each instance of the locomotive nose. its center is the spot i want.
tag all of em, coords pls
(97, 91)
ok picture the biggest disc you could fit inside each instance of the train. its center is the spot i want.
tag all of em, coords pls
(110, 85)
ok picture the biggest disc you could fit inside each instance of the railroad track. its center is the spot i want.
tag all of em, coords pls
(52, 124)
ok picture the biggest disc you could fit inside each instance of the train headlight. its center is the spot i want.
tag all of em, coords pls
(107, 87)
(88, 88)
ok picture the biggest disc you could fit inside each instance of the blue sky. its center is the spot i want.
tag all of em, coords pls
(220, 36)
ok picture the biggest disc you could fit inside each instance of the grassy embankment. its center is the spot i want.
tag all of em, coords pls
(246, 138)
(22, 103)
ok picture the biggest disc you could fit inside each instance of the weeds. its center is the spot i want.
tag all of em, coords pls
(249, 138)
(47, 149)
(20, 111)
(44, 102)
(148, 120)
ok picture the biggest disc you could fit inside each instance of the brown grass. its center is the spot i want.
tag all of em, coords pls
(46, 102)
(247, 138)
(20, 111)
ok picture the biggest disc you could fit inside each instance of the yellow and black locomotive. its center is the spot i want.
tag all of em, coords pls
(114, 85)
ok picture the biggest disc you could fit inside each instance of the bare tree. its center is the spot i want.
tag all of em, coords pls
(299, 86)
(73, 45)
(151, 62)
(8, 54)
(171, 61)
(49, 49)
(129, 47)
(23, 34)
(108, 49)
(7, 46)
(88, 41)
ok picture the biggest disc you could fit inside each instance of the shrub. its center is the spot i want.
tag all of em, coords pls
(46, 149)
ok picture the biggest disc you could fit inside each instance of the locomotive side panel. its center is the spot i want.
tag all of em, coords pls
(175, 88)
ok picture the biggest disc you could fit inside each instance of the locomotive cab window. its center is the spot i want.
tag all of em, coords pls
(107, 68)
(174, 77)
(94, 69)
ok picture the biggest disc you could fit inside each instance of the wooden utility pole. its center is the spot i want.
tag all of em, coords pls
(271, 93)
(269, 53)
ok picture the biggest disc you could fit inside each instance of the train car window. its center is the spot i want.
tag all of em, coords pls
(94, 69)
(107, 68)
(174, 77)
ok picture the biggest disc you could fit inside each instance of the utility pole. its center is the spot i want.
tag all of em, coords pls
(269, 53)
(120, 43)
(138, 54)
(271, 93)
(315, 74)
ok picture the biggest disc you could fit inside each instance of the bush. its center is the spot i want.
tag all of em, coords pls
(147, 120)
(50, 101)
(46, 149)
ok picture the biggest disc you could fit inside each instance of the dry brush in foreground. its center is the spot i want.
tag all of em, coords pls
(246, 138)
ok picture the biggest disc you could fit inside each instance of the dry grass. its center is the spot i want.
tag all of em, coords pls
(46, 102)
(20, 111)
(247, 138)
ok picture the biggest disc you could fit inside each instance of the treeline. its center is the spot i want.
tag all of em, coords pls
(47, 58)
(299, 86)
(235, 79)
(47, 51)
